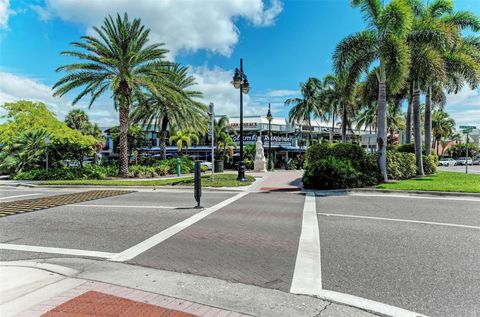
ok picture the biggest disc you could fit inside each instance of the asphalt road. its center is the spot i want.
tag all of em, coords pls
(417, 253)
(474, 169)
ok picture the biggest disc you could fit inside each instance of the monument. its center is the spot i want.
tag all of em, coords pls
(260, 164)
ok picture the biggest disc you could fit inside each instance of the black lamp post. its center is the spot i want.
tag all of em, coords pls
(240, 82)
(269, 118)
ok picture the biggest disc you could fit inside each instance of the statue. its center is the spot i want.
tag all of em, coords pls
(260, 164)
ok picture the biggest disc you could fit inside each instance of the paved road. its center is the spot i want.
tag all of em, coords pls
(474, 169)
(417, 253)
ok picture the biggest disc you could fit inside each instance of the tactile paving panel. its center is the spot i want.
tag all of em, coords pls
(20, 206)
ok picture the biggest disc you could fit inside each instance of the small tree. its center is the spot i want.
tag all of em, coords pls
(182, 138)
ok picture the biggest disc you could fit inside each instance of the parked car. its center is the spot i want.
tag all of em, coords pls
(447, 161)
(476, 161)
(464, 161)
(207, 164)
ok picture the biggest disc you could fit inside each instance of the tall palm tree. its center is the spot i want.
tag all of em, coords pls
(118, 59)
(304, 108)
(383, 41)
(167, 108)
(223, 140)
(184, 137)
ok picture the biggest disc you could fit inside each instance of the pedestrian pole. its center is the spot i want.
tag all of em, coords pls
(212, 122)
(198, 184)
(466, 162)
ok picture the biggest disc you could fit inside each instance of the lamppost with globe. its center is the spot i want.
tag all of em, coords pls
(240, 82)
(269, 118)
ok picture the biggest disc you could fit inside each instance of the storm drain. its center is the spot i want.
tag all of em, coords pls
(27, 205)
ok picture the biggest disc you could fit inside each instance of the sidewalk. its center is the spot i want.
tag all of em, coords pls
(280, 180)
(80, 287)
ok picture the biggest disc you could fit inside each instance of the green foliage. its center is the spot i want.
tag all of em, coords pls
(139, 171)
(203, 168)
(89, 171)
(331, 173)
(135, 137)
(249, 164)
(460, 150)
(430, 163)
(401, 165)
(186, 165)
(343, 151)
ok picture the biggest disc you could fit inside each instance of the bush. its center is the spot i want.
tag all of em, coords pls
(203, 168)
(89, 171)
(342, 151)
(430, 163)
(407, 148)
(370, 173)
(401, 165)
(331, 173)
(249, 165)
(141, 171)
(186, 165)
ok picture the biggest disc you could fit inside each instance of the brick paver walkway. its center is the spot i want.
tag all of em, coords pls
(99, 299)
(281, 180)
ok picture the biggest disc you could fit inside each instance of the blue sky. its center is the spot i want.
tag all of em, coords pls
(282, 43)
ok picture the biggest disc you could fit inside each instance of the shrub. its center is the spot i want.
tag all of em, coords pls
(141, 171)
(331, 173)
(292, 164)
(203, 168)
(407, 148)
(401, 165)
(430, 163)
(342, 151)
(89, 171)
(370, 173)
(249, 165)
(186, 165)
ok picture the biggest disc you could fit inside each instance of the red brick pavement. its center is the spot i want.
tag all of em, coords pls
(281, 181)
(99, 299)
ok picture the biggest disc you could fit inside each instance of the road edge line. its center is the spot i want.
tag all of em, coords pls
(158, 238)
(53, 250)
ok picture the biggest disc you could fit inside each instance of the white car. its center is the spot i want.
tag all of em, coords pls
(207, 164)
(447, 161)
(464, 161)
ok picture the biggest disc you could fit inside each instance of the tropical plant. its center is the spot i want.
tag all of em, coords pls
(184, 138)
(443, 126)
(224, 142)
(118, 59)
(383, 41)
(172, 108)
(309, 105)
(78, 119)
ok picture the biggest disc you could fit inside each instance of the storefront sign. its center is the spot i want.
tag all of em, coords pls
(252, 139)
(247, 125)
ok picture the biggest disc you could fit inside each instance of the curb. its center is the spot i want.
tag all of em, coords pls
(417, 192)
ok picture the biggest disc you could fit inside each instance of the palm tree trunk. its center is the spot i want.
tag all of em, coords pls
(382, 123)
(163, 138)
(417, 132)
(123, 113)
(408, 124)
(333, 126)
(344, 123)
(428, 122)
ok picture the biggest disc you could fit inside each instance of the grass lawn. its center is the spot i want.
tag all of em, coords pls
(219, 180)
(442, 181)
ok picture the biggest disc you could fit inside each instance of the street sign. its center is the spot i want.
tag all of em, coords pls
(467, 127)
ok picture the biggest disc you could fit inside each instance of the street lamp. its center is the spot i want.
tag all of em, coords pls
(269, 118)
(240, 82)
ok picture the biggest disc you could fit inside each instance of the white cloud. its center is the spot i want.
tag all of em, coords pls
(4, 12)
(14, 88)
(465, 97)
(215, 83)
(466, 117)
(184, 25)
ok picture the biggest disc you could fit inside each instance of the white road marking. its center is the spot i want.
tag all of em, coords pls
(367, 304)
(24, 195)
(414, 197)
(34, 248)
(149, 243)
(307, 276)
(402, 220)
(124, 206)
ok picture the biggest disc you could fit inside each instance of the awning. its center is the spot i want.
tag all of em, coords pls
(291, 149)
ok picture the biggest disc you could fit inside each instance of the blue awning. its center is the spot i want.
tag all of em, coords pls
(291, 149)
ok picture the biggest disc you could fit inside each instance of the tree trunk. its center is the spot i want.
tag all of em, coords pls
(417, 132)
(382, 123)
(408, 123)
(123, 113)
(344, 123)
(428, 122)
(332, 133)
(163, 138)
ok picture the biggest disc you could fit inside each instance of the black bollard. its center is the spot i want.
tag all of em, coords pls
(198, 184)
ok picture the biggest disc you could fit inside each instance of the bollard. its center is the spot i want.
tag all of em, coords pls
(198, 184)
(178, 166)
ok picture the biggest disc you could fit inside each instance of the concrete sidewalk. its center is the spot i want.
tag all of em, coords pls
(74, 286)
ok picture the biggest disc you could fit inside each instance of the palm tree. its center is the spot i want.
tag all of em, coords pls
(443, 126)
(77, 119)
(223, 140)
(118, 59)
(383, 41)
(28, 149)
(184, 137)
(168, 108)
(309, 105)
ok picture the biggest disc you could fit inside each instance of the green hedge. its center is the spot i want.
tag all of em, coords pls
(342, 151)
(68, 173)
(401, 165)
(331, 173)
(430, 163)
